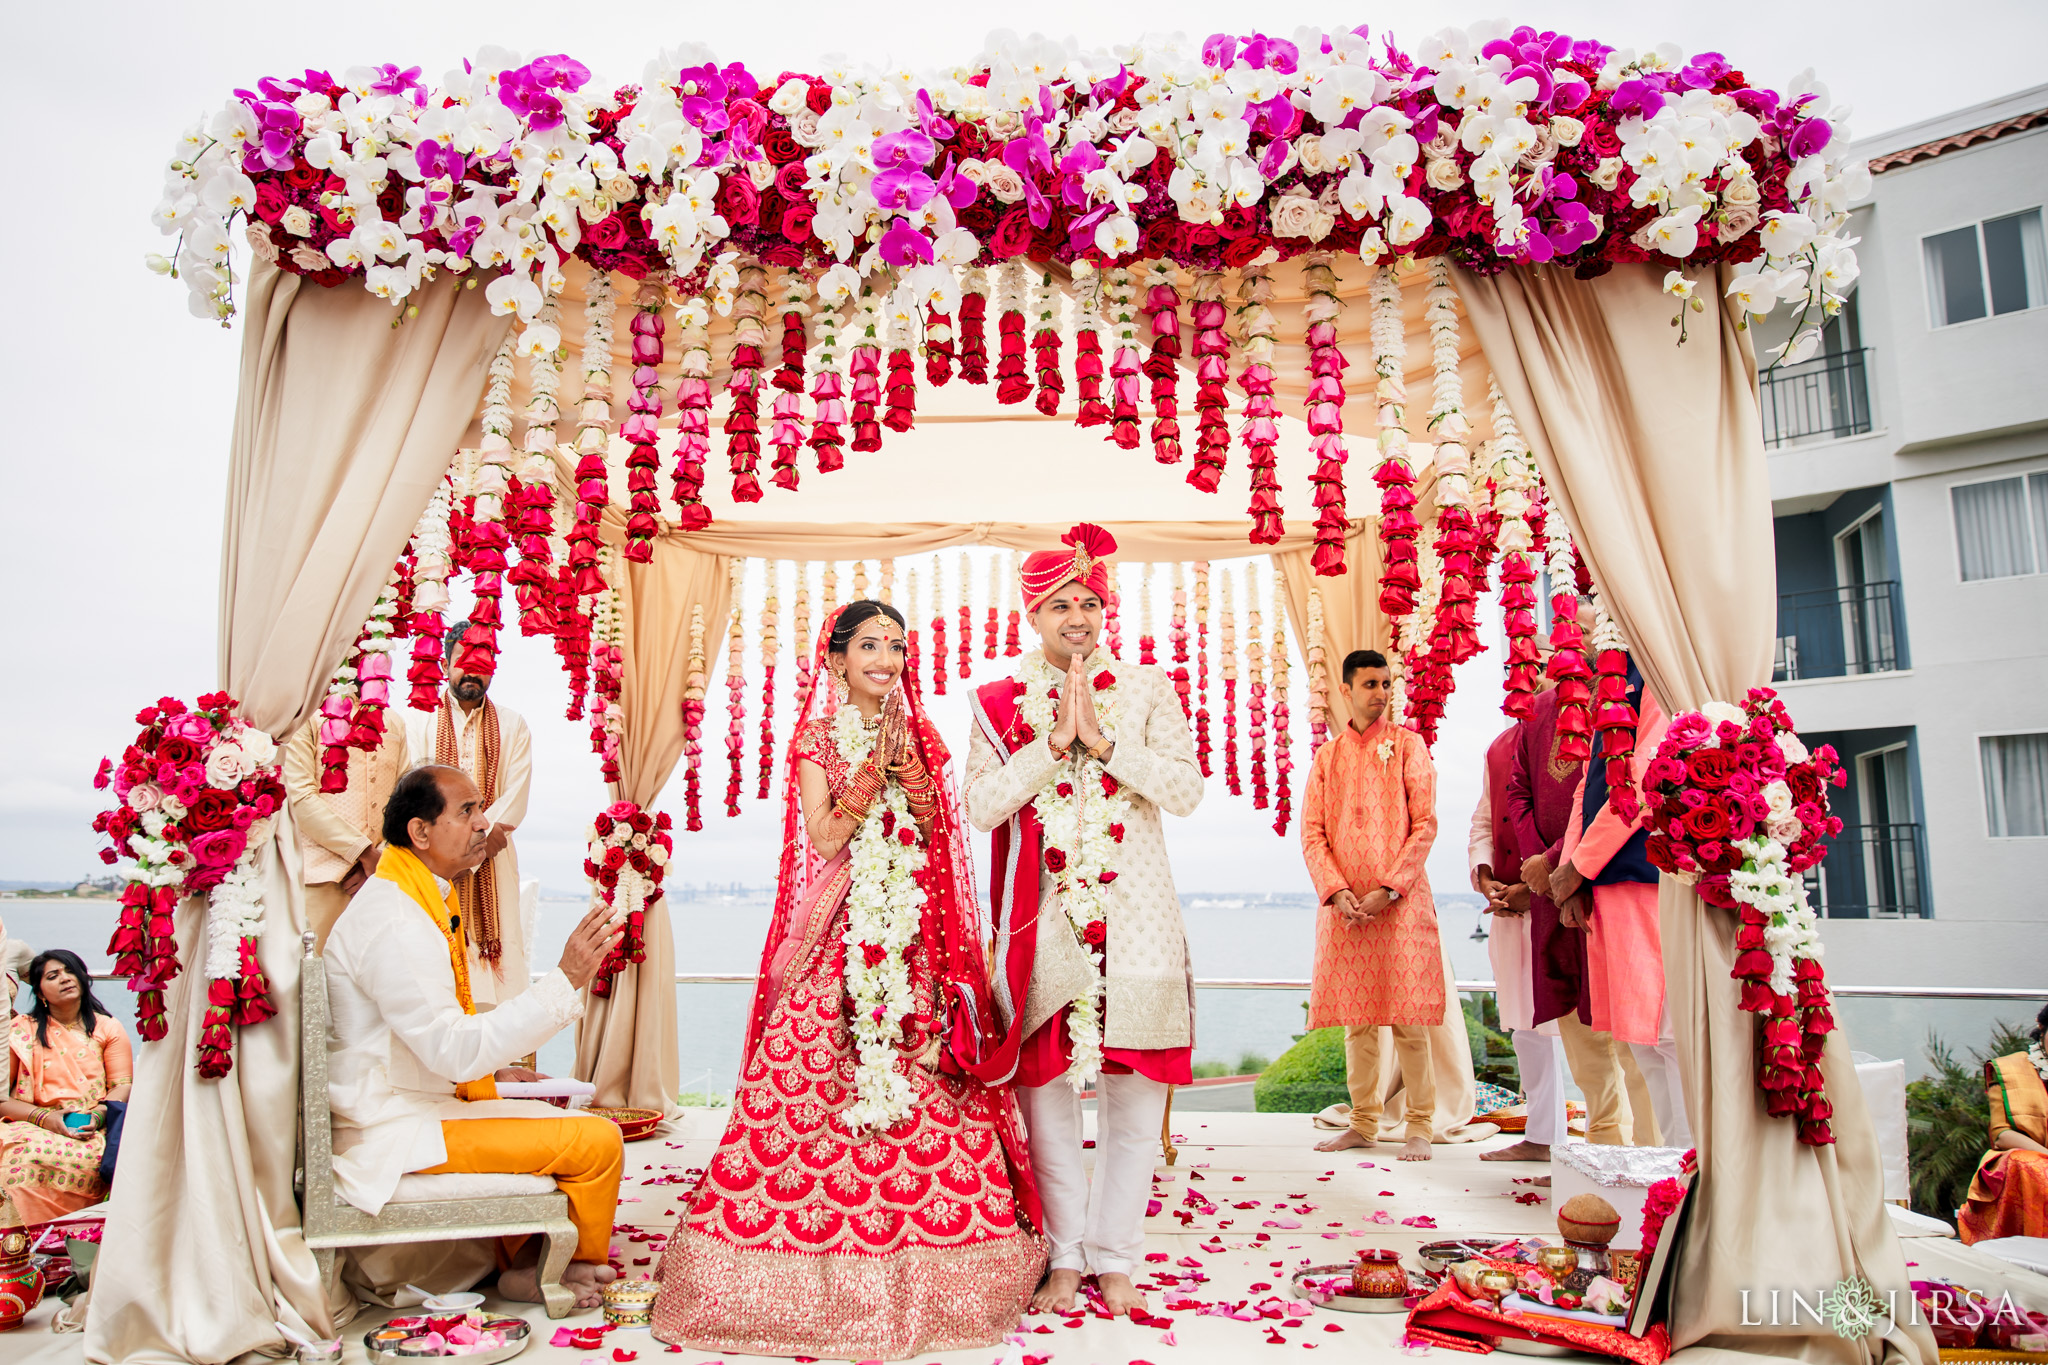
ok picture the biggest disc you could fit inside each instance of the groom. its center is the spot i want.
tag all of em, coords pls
(1070, 763)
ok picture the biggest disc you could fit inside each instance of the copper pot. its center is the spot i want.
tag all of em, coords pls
(1379, 1274)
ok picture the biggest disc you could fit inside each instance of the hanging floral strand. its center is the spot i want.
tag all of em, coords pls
(835, 290)
(1614, 720)
(1013, 384)
(693, 723)
(1326, 366)
(693, 411)
(1568, 668)
(770, 649)
(1148, 647)
(800, 634)
(1455, 637)
(1514, 480)
(1202, 749)
(1120, 307)
(607, 673)
(1112, 615)
(1182, 685)
(990, 634)
(1046, 302)
(1088, 365)
(642, 428)
(786, 431)
(938, 346)
(864, 373)
(750, 345)
(593, 442)
(533, 518)
(860, 581)
(910, 635)
(1399, 578)
(1212, 380)
(1318, 672)
(1255, 688)
(488, 537)
(942, 663)
(736, 690)
(829, 601)
(1260, 431)
(1013, 643)
(1283, 758)
(380, 640)
(429, 600)
(886, 591)
(901, 394)
(1227, 656)
(973, 337)
(966, 583)
(1162, 365)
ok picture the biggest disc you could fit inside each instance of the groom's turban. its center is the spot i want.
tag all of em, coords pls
(1084, 560)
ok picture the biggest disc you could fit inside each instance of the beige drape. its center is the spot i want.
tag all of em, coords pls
(342, 427)
(1654, 453)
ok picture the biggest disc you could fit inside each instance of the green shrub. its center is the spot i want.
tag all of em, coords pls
(1948, 1122)
(1493, 1051)
(1249, 1064)
(1307, 1077)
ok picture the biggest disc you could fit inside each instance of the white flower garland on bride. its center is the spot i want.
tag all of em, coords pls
(884, 910)
(1083, 812)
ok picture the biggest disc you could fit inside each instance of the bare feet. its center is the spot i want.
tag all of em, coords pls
(1415, 1149)
(588, 1280)
(521, 1284)
(1120, 1297)
(1058, 1293)
(1521, 1151)
(1345, 1141)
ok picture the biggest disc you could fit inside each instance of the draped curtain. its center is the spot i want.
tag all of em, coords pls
(1653, 452)
(343, 425)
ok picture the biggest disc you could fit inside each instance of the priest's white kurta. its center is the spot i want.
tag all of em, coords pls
(492, 984)
(400, 1043)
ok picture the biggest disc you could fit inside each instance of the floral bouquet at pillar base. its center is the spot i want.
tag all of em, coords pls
(199, 791)
(1737, 806)
(629, 851)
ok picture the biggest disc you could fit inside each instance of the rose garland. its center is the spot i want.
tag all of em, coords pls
(1455, 635)
(1088, 365)
(1013, 385)
(626, 859)
(1400, 579)
(1514, 480)
(836, 290)
(593, 441)
(884, 911)
(786, 431)
(1568, 666)
(1162, 304)
(1046, 306)
(1283, 761)
(966, 609)
(742, 424)
(1227, 652)
(1083, 817)
(993, 625)
(608, 676)
(1325, 401)
(941, 662)
(938, 346)
(1211, 350)
(1182, 686)
(1614, 720)
(973, 339)
(642, 428)
(1120, 306)
(1260, 430)
(693, 410)
(693, 723)
(431, 549)
(1202, 665)
(770, 650)
(900, 394)
(1318, 674)
(1659, 1203)
(1737, 806)
(1148, 644)
(864, 372)
(1255, 680)
(486, 548)
(534, 522)
(198, 792)
(736, 689)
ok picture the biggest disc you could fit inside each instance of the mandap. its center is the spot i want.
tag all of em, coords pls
(1424, 323)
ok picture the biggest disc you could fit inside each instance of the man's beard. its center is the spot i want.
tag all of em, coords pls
(469, 689)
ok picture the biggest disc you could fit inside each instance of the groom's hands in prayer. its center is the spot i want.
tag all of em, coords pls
(589, 944)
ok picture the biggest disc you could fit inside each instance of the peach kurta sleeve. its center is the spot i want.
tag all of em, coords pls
(117, 1056)
(1318, 806)
(1418, 778)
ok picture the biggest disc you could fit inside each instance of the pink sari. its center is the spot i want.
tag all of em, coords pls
(805, 1238)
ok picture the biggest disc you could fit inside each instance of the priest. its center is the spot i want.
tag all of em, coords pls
(490, 743)
(1071, 763)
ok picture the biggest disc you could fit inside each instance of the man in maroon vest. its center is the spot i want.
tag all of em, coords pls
(1071, 763)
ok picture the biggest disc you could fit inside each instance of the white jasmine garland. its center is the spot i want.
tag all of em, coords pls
(1083, 825)
(884, 908)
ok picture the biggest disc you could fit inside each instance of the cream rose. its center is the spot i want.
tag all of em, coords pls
(143, 797)
(1606, 173)
(1445, 139)
(1309, 150)
(1123, 121)
(297, 221)
(260, 243)
(1741, 193)
(1002, 182)
(306, 258)
(227, 766)
(1294, 215)
(1792, 748)
(1778, 796)
(1567, 130)
(803, 128)
(1444, 174)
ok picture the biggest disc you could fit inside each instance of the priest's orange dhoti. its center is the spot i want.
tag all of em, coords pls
(1368, 820)
(582, 1153)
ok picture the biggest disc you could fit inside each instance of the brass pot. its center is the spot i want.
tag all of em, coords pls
(1379, 1274)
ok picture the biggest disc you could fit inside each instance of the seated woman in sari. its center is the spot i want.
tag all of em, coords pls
(67, 1056)
(2009, 1197)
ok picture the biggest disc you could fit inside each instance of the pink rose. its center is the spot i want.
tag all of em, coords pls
(620, 810)
(1689, 731)
(219, 848)
(194, 729)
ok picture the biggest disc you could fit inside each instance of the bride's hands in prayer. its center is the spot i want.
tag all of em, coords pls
(893, 748)
(590, 942)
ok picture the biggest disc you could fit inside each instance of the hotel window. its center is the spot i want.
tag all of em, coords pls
(2015, 784)
(1994, 267)
(2002, 526)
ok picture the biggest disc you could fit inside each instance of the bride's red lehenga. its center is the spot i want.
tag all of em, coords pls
(803, 1237)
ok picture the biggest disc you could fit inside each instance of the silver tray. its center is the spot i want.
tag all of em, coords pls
(520, 1337)
(1515, 1346)
(1353, 1303)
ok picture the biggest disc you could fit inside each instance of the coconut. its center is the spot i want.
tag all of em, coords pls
(1588, 1218)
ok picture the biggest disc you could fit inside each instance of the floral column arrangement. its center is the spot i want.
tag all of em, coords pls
(1326, 365)
(750, 341)
(693, 723)
(1261, 429)
(769, 651)
(1399, 578)
(1162, 365)
(642, 430)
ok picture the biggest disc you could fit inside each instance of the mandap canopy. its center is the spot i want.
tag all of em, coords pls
(590, 350)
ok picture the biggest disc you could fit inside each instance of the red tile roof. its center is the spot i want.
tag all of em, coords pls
(1927, 151)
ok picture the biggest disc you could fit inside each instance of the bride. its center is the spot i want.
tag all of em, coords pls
(869, 1199)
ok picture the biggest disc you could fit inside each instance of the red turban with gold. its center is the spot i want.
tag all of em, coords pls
(1084, 560)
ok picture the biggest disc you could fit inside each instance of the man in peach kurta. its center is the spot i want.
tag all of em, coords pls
(1368, 819)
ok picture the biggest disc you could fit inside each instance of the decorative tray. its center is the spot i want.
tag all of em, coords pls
(384, 1348)
(634, 1124)
(1345, 1301)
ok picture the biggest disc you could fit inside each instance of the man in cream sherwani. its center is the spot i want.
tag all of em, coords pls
(490, 743)
(413, 1067)
(1070, 764)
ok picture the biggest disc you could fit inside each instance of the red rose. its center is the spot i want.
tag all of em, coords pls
(1103, 679)
(1805, 784)
(1160, 237)
(640, 822)
(780, 146)
(1116, 833)
(1012, 234)
(603, 825)
(607, 233)
(179, 752)
(210, 810)
(908, 835)
(785, 254)
(818, 98)
(1106, 878)
(738, 200)
(1242, 250)
(270, 206)
(796, 221)
(1095, 934)
(1065, 789)
(1110, 785)
(1055, 860)
(614, 859)
(874, 954)
(1709, 768)
(1708, 823)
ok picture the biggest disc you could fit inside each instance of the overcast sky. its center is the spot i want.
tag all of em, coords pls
(115, 477)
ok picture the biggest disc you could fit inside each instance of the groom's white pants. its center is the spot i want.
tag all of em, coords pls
(1100, 1230)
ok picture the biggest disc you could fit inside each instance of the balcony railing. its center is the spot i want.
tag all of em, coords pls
(1837, 632)
(1872, 872)
(1822, 398)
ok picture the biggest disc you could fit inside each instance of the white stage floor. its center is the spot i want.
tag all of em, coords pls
(1305, 1208)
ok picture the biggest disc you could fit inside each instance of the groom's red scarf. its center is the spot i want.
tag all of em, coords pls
(1013, 882)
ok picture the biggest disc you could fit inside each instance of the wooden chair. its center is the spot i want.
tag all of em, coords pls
(426, 1208)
